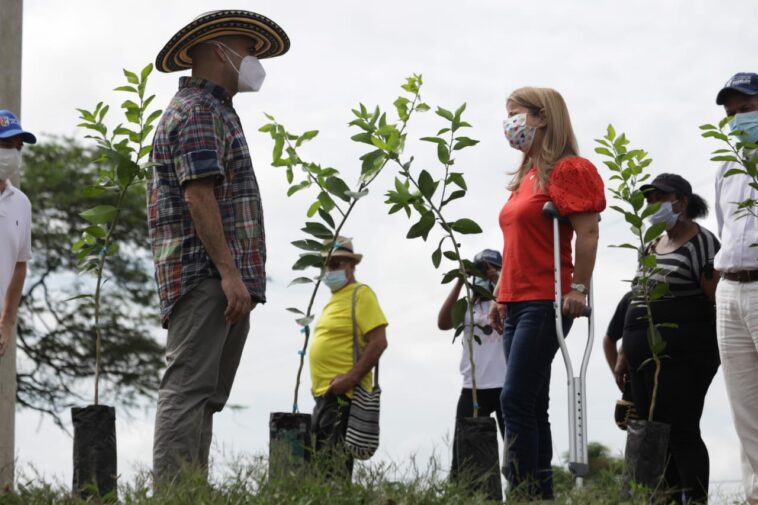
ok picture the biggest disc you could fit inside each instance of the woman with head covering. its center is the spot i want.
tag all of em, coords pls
(684, 256)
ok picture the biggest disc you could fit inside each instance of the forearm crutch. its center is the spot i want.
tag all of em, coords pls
(578, 460)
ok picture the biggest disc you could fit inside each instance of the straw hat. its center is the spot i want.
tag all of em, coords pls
(342, 248)
(270, 39)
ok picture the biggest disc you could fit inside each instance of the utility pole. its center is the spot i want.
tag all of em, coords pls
(11, 15)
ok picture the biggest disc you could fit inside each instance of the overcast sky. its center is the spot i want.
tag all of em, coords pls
(651, 68)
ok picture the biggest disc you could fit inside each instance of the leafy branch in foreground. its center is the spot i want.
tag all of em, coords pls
(120, 168)
(420, 193)
(334, 200)
(628, 171)
(741, 152)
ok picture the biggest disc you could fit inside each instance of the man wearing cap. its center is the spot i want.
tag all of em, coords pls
(206, 227)
(737, 292)
(15, 252)
(334, 373)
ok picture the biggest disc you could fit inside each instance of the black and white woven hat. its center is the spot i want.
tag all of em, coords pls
(270, 39)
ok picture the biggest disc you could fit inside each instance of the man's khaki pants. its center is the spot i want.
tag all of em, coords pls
(737, 323)
(203, 351)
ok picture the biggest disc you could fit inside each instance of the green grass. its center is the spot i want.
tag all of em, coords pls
(246, 482)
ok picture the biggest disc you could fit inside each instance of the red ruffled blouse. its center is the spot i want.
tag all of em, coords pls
(575, 187)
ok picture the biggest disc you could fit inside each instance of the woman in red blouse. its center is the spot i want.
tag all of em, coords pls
(538, 124)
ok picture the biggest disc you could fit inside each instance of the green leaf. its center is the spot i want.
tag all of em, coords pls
(131, 77)
(327, 204)
(308, 260)
(318, 230)
(426, 184)
(94, 191)
(308, 245)
(313, 208)
(99, 214)
(295, 310)
(422, 227)
(452, 274)
(300, 280)
(305, 321)
(458, 312)
(306, 137)
(453, 196)
(654, 231)
(466, 226)
(648, 261)
(436, 257)
(338, 188)
(327, 218)
(451, 255)
(444, 113)
(604, 151)
(443, 154)
(422, 107)
(146, 71)
(457, 178)
(463, 142)
(436, 140)
(95, 231)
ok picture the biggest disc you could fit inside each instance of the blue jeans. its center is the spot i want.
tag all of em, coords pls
(530, 345)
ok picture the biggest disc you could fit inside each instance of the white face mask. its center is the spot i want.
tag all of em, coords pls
(250, 72)
(10, 162)
(665, 214)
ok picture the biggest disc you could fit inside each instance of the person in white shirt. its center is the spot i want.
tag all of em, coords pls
(489, 355)
(737, 293)
(15, 226)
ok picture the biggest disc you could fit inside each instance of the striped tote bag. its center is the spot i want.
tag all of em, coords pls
(362, 436)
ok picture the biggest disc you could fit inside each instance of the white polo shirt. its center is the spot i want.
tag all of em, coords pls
(15, 233)
(738, 234)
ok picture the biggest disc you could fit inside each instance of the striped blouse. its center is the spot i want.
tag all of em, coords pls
(682, 269)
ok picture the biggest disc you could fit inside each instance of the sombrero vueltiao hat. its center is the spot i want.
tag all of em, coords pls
(270, 39)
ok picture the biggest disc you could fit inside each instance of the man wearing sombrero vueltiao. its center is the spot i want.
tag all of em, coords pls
(206, 227)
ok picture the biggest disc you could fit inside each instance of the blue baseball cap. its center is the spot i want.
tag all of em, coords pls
(489, 256)
(742, 82)
(10, 127)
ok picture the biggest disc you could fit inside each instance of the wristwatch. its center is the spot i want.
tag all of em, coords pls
(581, 288)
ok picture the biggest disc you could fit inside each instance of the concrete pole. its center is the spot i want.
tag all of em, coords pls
(11, 15)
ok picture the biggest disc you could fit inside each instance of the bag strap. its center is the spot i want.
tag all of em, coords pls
(356, 349)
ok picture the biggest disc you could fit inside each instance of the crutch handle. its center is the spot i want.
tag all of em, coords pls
(550, 210)
(587, 312)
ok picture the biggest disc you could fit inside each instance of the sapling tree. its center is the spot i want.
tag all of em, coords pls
(121, 161)
(421, 194)
(741, 152)
(628, 173)
(333, 199)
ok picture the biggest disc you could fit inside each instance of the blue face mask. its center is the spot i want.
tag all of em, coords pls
(748, 123)
(483, 283)
(335, 279)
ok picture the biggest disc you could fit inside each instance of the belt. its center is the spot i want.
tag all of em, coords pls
(741, 276)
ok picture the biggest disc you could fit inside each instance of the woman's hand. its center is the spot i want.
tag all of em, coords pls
(497, 316)
(574, 304)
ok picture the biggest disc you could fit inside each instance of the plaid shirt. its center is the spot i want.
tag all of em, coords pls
(200, 136)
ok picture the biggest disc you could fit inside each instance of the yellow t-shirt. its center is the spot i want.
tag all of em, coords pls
(332, 349)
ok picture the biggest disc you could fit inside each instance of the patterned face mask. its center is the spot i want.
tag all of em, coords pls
(519, 135)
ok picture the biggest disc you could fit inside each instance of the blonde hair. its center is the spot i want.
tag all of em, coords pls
(558, 141)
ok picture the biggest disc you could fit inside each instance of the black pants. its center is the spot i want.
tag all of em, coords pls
(686, 373)
(329, 425)
(489, 402)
